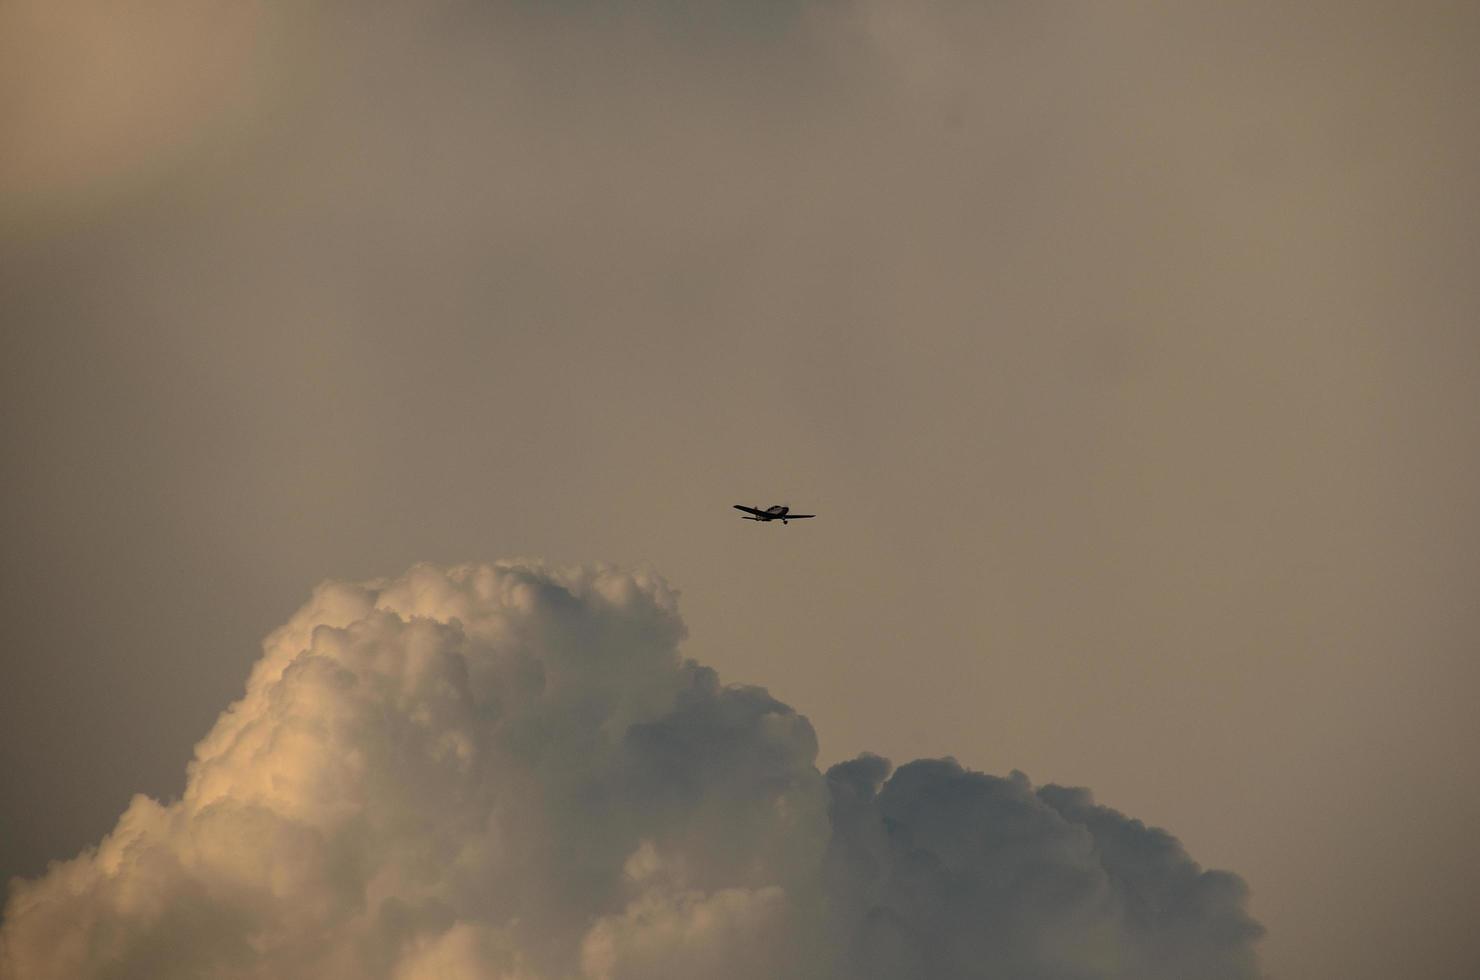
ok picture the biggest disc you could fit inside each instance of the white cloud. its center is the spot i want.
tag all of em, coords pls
(508, 771)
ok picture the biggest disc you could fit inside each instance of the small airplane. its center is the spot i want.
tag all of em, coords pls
(780, 512)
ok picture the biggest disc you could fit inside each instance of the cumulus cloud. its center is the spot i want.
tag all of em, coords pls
(509, 771)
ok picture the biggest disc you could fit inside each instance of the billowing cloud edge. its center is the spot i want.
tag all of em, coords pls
(508, 770)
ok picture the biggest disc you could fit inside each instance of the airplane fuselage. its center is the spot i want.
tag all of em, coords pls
(776, 512)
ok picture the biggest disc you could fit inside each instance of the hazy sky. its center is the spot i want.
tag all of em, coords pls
(1128, 352)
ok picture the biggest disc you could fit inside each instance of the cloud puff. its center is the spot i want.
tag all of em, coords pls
(509, 771)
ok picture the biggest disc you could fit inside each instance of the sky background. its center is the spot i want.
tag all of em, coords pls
(1128, 352)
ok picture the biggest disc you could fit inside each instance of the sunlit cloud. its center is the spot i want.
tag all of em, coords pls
(509, 770)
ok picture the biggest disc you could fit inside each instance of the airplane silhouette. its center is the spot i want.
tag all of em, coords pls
(780, 512)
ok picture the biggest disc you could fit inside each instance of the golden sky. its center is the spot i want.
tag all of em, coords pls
(1127, 352)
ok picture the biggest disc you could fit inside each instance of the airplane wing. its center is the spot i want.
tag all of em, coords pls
(760, 514)
(797, 517)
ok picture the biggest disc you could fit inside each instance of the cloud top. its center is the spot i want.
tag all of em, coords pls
(509, 771)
